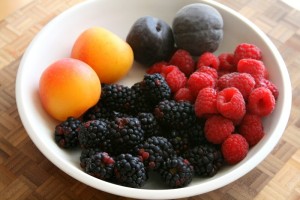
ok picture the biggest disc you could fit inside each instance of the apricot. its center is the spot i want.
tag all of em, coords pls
(109, 55)
(68, 88)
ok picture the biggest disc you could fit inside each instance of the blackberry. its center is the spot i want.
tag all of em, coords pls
(156, 88)
(207, 159)
(94, 134)
(149, 124)
(175, 115)
(125, 133)
(129, 171)
(66, 133)
(100, 165)
(177, 172)
(117, 97)
(179, 141)
(86, 154)
(154, 151)
(98, 112)
(141, 102)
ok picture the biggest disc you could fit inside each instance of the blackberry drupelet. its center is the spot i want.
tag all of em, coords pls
(125, 133)
(154, 151)
(141, 102)
(118, 98)
(66, 133)
(176, 172)
(207, 159)
(149, 125)
(175, 115)
(156, 88)
(130, 171)
(100, 165)
(94, 134)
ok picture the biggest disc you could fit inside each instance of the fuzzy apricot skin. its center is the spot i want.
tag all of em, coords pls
(109, 55)
(68, 88)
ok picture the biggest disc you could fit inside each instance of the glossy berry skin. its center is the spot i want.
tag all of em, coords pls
(151, 40)
(198, 28)
(246, 50)
(206, 102)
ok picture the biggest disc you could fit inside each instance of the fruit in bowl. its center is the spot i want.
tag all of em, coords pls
(40, 125)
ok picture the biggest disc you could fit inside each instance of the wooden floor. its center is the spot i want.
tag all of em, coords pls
(7, 7)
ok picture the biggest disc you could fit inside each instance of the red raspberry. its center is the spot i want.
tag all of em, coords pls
(244, 82)
(184, 94)
(255, 68)
(234, 149)
(209, 70)
(175, 79)
(226, 62)
(184, 61)
(261, 102)
(206, 102)
(246, 50)
(208, 59)
(156, 67)
(268, 84)
(217, 128)
(231, 104)
(198, 81)
(251, 128)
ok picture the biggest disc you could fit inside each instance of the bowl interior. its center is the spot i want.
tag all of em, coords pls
(55, 41)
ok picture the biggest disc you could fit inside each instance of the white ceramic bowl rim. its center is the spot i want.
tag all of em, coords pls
(233, 174)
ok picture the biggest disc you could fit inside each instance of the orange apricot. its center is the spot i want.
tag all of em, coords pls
(68, 88)
(109, 55)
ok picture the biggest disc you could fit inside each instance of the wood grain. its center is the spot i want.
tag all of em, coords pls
(26, 174)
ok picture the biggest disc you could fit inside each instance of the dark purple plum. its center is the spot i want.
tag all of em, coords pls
(151, 40)
(198, 28)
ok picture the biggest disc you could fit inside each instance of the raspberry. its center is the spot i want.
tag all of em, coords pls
(226, 62)
(184, 61)
(244, 82)
(261, 102)
(231, 104)
(246, 50)
(208, 59)
(268, 84)
(209, 70)
(198, 81)
(176, 80)
(217, 128)
(156, 67)
(184, 94)
(234, 149)
(251, 128)
(206, 102)
(255, 68)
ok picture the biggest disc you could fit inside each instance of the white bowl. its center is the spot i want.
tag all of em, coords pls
(55, 41)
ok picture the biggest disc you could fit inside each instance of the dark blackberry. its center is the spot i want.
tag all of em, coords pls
(94, 134)
(141, 102)
(154, 151)
(100, 165)
(66, 133)
(196, 134)
(149, 125)
(117, 97)
(125, 133)
(175, 115)
(207, 159)
(98, 112)
(129, 171)
(179, 141)
(176, 172)
(86, 154)
(156, 88)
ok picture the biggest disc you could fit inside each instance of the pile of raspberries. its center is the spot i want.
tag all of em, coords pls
(187, 117)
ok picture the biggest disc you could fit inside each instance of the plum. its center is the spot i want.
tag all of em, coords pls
(151, 40)
(198, 28)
